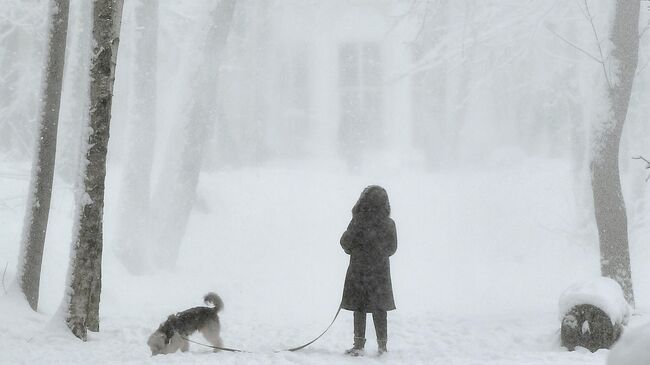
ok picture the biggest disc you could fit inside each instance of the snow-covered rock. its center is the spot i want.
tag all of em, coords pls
(603, 293)
(632, 349)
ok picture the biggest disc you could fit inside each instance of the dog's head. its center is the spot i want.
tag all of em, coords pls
(157, 342)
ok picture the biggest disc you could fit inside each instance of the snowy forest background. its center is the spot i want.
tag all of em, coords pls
(234, 169)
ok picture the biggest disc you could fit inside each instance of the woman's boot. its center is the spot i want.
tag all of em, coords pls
(357, 349)
(381, 346)
(381, 328)
(359, 334)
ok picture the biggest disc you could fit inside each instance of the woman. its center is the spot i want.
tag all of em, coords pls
(369, 240)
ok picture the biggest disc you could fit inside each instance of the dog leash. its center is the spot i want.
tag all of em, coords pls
(293, 349)
(338, 311)
(215, 347)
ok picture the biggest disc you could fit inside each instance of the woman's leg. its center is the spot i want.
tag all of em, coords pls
(359, 326)
(359, 329)
(380, 320)
(359, 334)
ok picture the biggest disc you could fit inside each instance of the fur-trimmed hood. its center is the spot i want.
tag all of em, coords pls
(374, 202)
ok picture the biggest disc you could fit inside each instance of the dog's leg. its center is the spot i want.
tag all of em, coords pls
(211, 333)
(174, 344)
(185, 345)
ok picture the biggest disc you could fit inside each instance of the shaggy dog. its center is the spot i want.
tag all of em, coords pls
(171, 335)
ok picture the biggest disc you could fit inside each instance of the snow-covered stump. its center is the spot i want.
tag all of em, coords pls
(588, 326)
(593, 314)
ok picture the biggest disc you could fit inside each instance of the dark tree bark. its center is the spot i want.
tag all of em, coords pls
(38, 206)
(85, 273)
(611, 218)
(176, 191)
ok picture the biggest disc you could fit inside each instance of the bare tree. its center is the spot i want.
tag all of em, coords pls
(40, 192)
(85, 267)
(175, 193)
(619, 68)
(131, 233)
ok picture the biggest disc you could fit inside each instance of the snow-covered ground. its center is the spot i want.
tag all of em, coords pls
(483, 256)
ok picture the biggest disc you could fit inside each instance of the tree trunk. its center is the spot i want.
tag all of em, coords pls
(611, 218)
(38, 206)
(85, 271)
(133, 222)
(175, 193)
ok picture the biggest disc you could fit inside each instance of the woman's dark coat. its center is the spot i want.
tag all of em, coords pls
(370, 240)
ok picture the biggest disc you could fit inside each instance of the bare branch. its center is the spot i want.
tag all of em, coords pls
(423, 23)
(577, 2)
(401, 17)
(647, 165)
(3, 278)
(642, 158)
(600, 49)
(574, 45)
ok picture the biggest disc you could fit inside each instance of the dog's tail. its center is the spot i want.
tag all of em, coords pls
(215, 300)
